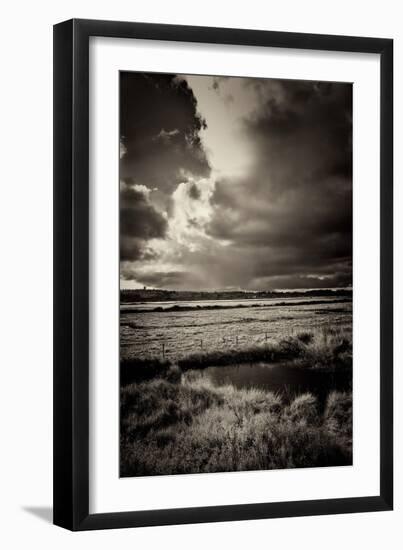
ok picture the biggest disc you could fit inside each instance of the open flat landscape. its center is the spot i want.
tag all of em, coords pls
(179, 328)
(224, 385)
(236, 265)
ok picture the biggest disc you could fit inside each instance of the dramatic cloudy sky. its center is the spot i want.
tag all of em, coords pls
(235, 183)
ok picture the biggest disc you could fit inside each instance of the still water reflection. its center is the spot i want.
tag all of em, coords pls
(287, 380)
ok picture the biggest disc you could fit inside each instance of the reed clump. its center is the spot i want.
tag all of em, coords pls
(191, 426)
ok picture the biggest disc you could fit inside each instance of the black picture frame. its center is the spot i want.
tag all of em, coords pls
(71, 274)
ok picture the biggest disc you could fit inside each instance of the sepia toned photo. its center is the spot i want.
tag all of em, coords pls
(235, 274)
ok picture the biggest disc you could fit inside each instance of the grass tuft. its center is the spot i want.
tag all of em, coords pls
(193, 427)
(322, 349)
(304, 408)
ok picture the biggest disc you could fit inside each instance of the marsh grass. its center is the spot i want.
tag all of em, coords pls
(326, 349)
(191, 426)
(174, 420)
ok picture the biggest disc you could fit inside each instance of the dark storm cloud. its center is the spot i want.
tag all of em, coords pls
(194, 191)
(130, 249)
(293, 211)
(138, 217)
(139, 221)
(312, 117)
(161, 279)
(160, 147)
(301, 282)
(159, 128)
(275, 212)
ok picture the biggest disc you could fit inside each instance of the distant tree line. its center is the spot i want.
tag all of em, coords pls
(156, 295)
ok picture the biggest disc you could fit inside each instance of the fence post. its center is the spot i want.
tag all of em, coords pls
(163, 350)
(201, 344)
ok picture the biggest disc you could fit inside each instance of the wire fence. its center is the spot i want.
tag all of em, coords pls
(204, 345)
(176, 346)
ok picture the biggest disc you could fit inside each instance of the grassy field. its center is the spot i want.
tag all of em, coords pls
(174, 420)
(326, 349)
(182, 329)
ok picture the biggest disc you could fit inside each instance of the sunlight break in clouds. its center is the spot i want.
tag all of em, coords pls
(224, 103)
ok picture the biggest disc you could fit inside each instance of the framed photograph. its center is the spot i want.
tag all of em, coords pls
(223, 237)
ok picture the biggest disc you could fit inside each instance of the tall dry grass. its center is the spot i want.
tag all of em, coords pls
(187, 425)
(320, 349)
